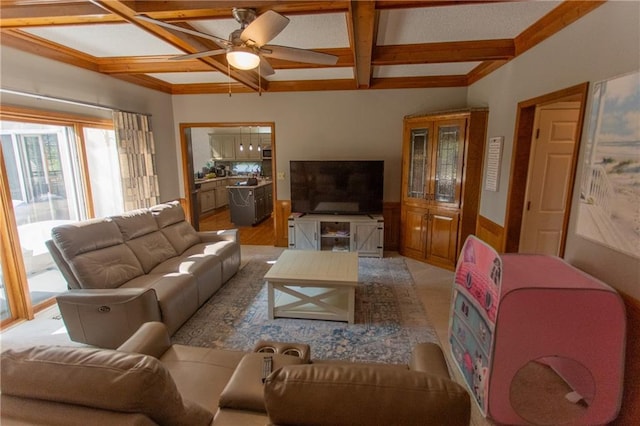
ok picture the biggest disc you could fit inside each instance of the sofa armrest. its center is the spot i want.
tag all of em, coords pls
(151, 339)
(428, 358)
(62, 264)
(363, 394)
(223, 234)
(107, 317)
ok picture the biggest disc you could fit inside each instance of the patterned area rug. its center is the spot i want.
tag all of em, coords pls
(389, 318)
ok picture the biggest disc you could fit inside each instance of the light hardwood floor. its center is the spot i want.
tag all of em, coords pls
(261, 234)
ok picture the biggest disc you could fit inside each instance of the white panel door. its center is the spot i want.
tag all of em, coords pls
(549, 182)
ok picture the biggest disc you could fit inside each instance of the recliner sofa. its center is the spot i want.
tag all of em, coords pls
(144, 265)
(148, 381)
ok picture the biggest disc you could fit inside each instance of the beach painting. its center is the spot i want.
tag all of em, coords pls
(609, 211)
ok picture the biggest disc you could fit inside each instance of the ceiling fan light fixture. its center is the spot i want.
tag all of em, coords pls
(242, 58)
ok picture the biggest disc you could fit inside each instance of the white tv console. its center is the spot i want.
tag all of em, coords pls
(360, 233)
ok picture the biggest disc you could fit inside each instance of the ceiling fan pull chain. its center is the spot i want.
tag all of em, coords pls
(229, 75)
(259, 81)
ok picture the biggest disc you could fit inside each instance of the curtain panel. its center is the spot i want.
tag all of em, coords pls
(136, 151)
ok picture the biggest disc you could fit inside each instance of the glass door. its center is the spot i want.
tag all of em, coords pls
(447, 165)
(418, 163)
(44, 176)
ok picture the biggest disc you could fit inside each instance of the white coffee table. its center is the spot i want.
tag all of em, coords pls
(313, 285)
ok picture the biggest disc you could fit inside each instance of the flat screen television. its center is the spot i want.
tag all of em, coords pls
(337, 187)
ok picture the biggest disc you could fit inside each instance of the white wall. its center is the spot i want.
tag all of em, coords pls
(326, 125)
(30, 73)
(603, 44)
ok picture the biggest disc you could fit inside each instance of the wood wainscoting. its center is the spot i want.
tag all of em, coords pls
(491, 233)
(281, 222)
(391, 213)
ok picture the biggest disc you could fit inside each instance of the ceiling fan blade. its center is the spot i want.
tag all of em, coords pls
(219, 41)
(264, 28)
(265, 68)
(298, 55)
(198, 55)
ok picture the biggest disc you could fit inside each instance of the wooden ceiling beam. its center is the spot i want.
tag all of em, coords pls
(146, 81)
(483, 70)
(457, 51)
(222, 9)
(35, 15)
(363, 20)
(405, 4)
(419, 82)
(560, 17)
(32, 44)
(120, 8)
(149, 64)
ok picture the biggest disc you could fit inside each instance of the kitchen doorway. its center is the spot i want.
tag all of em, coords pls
(217, 155)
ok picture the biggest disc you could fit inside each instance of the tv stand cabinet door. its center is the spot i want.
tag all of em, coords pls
(305, 235)
(367, 239)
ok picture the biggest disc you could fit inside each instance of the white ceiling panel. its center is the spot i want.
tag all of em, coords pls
(460, 22)
(312, 74)
(326, 30)
(191, 77)
(106, 40)
(423, 70)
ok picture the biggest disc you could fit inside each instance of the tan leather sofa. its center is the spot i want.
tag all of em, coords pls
(181, 385)
(144, 265)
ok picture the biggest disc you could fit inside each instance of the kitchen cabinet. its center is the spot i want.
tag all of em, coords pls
(222, 195)
(361, 233)
(441, 164)
(207, 197)
(222, 146)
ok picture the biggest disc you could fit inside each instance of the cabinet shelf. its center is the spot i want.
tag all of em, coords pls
(364, 234)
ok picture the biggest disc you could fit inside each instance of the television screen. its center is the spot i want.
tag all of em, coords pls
(337, 187)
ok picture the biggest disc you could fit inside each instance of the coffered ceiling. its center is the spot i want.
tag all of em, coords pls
(379, 44)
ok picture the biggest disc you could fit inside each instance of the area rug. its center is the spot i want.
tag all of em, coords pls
(389, 318)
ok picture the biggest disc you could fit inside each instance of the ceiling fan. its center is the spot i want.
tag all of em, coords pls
(247, 46)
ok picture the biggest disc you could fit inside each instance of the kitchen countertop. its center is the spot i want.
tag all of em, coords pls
(260, 184)
(216, 179)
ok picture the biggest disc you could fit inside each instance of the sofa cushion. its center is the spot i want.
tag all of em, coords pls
(140, 232)
(245, 390)
(171, 221)
(151, 250)
(168, 213)
(362, 394)
(181, 235)
(100, 378)
(135, 223)
(106, 268)
(74, 239)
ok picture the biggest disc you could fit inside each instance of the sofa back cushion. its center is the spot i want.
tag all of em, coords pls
(347, 394)
(171, 221)
(96, 253)
(99, 378)
(140, 233)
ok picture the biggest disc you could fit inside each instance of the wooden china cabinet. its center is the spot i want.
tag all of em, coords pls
(441, 181)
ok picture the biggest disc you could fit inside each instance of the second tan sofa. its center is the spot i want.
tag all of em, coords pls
(144, 265)
(148, 381)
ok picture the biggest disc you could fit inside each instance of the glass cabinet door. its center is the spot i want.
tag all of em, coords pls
(448, 149)
(418, 163)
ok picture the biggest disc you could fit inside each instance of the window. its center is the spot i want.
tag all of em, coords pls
(58, 170)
